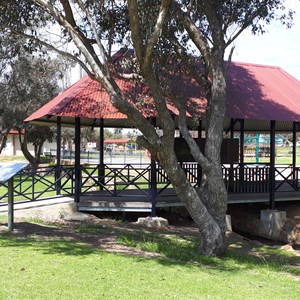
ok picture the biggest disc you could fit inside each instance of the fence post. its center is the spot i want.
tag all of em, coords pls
(10, 208)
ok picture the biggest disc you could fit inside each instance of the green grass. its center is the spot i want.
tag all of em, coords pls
(283, 156)
(12, 158)
(3, 219)
(56, 269)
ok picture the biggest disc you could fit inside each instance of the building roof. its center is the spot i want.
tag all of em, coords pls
(116, 141)
(88, 100)
(262, 92)
(255, 93)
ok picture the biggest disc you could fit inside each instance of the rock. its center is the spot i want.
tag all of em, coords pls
(78, 216)
(291, 231)
(287, 247)
(155, 222)
(3, 228)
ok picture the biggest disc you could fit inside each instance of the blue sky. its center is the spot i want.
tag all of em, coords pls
(279, 46)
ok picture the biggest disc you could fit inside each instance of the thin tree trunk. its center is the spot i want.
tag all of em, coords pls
(3, 142)
(24, 148)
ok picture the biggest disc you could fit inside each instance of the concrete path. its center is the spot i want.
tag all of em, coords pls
(49, 209)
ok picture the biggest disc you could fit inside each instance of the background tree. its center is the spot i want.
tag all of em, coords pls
(154, 27)
(37, 135)
(27, 82)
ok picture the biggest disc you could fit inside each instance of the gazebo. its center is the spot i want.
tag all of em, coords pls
(259, 99)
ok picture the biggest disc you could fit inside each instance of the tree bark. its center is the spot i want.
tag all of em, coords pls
(24, 148)
(3, 142)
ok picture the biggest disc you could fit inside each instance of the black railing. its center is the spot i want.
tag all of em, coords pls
(45, 182)
(136, 180)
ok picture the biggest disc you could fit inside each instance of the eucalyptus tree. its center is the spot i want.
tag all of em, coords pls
(155, 29)
(26, 83)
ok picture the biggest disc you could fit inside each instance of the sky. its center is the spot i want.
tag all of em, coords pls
(278, 46)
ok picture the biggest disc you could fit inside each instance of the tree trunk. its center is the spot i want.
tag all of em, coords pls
(208, 204)
(24, 148)
(211, 233)
(39, 152)
(3, 142)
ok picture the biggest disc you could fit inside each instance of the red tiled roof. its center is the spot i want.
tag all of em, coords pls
(13, 131)
(262, 93)
(116, 141)
(88, 99)
(254, 92)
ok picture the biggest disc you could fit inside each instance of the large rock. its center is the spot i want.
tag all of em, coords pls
(155, 222)
(290, 232)
(78, 217)
(271, 223)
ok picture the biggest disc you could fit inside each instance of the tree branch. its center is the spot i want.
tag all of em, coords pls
(102, 54)
(126, 76)
(195, 150)
(146, 59)
(49, 46)
(247, 22)
(163, 11)
(195, 34)
(135, 29)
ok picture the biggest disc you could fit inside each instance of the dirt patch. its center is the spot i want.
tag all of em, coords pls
(106, 238)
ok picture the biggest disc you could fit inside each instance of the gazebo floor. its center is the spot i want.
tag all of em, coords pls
(133, 202)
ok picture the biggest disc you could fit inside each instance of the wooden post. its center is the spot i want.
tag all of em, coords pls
(77, 161)
(200, 129)
(101, 173)
(272, 164)
(231, 171)
(242, 139)
(10, 208)
(153, 187)
(294, 151)
(199, 170)
(153, 182)
(58, 157)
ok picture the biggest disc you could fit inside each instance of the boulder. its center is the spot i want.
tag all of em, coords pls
(153, 222)
(78, 217)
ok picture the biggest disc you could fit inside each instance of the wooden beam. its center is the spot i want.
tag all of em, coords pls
(101, 155)
(77, 161)
(58, 157)
(272, 164)
(294, 147)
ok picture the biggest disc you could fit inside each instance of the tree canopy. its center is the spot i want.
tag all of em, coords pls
(27, 82)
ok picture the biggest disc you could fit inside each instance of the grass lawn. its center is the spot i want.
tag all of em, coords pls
(52, 267)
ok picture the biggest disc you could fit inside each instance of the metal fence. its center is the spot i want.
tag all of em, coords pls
(138, 179)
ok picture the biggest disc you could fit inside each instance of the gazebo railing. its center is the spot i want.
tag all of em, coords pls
(34, 183)
(137, 180)
(255, 178)
(113, 180)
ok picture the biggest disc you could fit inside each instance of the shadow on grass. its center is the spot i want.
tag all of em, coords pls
(185, 249)
(46, 238)
(47, 246)
(175, 249)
